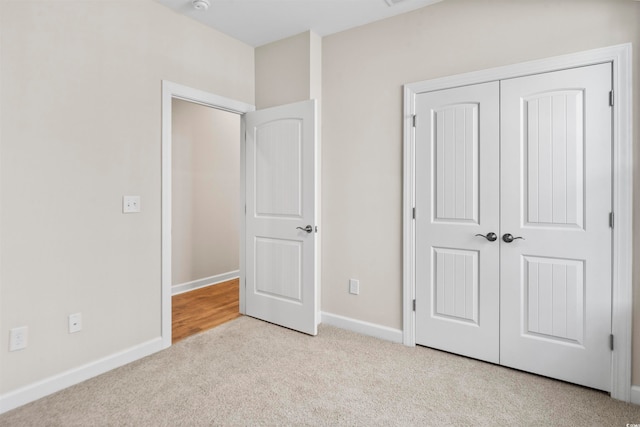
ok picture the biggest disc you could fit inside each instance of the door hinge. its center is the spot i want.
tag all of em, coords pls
(414, 305)
(611, 99)
(414, 119)
(413, 213)
(245, 209)
(611, 342)
(611, 219)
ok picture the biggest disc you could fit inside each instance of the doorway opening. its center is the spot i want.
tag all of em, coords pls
(280, 184)
(205, 217)
(188, 267)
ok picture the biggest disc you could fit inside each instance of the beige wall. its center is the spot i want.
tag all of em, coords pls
(205, 194)
(363, 73)
(80, 86)
(289, 70)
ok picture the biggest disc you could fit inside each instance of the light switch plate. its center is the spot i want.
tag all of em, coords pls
(130, 204)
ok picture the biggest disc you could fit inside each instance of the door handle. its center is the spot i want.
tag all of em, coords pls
(508, 238)
(308, 228)
(492, 237)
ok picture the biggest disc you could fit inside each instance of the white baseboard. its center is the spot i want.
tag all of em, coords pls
(635, 394)
(37, 390)
(207, 281)
(361, 327)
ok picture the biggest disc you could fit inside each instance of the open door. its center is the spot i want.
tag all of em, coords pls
(281, 241)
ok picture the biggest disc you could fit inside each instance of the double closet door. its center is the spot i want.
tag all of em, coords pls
(513, 232)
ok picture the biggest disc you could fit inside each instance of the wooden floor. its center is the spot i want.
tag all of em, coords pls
(204, 308)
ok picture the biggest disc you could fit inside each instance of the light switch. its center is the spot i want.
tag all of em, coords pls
(130, 204)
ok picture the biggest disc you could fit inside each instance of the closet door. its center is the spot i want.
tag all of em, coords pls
(555, 304)
(457, 203)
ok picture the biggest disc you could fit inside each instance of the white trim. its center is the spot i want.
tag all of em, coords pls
(202, 283)
(169, 91)
(622, 298)
(50, 385)
(635, 395)
(620, 57)
(243, 216)
(361, 327)
(408, 224)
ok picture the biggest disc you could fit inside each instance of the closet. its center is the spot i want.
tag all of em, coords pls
(513, 246)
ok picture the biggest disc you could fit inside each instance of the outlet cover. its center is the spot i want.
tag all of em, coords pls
(18, 338)
(130, 204)
(75, 322)
(354, 286)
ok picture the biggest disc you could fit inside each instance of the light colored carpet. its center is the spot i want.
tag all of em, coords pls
(248, 372)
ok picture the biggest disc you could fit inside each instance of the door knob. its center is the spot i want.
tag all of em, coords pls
(308, 228)
(508, 238)
(492, 237)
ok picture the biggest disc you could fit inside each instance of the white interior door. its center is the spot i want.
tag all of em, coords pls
(281, 216)
(457, 199)
(538, 298)
(556, 195)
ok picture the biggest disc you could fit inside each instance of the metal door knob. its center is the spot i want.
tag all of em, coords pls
(308, 228)
(508, 238)
(492, 237)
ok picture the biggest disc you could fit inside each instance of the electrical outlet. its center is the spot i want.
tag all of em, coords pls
(18, 338)
(354, 286)
(130, 204)
(75, 322)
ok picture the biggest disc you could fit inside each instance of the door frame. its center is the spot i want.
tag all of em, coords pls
(170, 91)
(620, 58)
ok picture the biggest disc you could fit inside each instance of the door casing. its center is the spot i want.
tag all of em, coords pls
(169, 91)
(620, 58)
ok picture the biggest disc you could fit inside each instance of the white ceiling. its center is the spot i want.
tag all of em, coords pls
(257, 22)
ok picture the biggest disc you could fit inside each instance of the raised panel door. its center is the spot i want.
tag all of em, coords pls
(280, 184)
(555, 303)
(457, 198)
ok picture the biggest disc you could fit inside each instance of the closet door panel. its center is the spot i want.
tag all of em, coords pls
(457, 184)
(555, 306)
